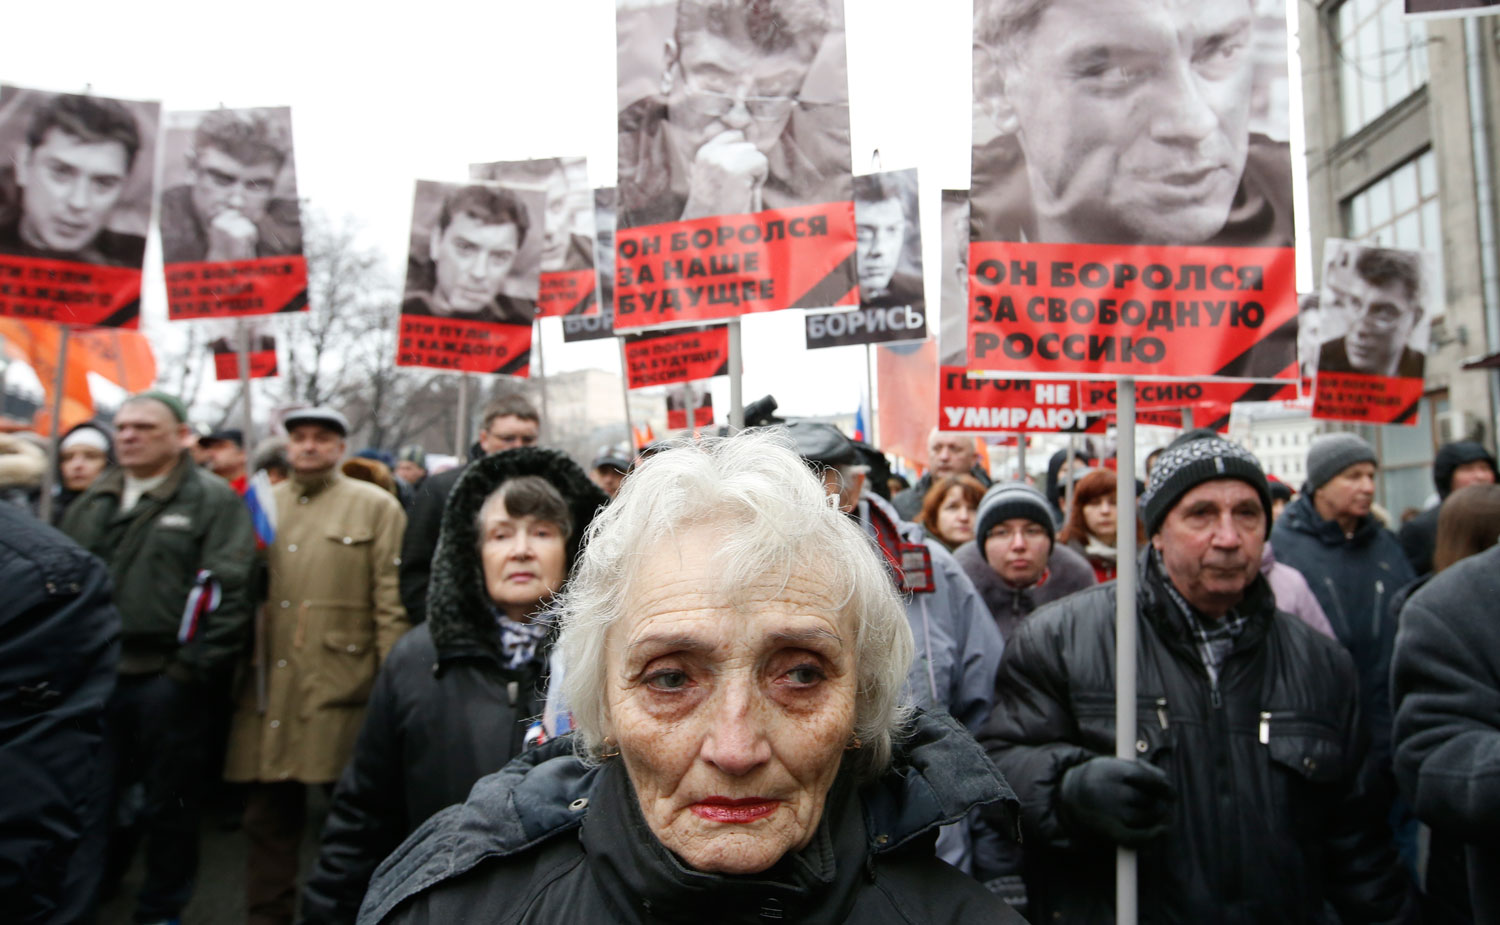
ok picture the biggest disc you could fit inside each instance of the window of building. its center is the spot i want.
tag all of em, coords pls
(1382, 58)
(1400, 209)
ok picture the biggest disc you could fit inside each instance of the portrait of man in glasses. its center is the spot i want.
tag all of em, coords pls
(237, 200)
(731, 122)
(1376, 294)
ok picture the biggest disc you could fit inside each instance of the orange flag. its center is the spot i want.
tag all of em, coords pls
(907, 381)
(37, 344)
(123, 357)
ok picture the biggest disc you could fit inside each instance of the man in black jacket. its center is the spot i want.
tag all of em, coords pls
(1457, 465)
(509, 422)
(1447, 733)
(59, 645)
(1244, 803)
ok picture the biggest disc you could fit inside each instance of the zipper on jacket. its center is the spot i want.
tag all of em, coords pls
(513, 691)
(1265, 728)
(1376, 611)
(1161, 712)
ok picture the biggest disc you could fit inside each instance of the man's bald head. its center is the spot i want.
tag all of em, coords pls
(950, 453)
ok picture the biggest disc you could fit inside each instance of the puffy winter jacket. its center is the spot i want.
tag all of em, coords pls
(549, 840)
(1354, 579)
(1269, 821)
(445, 710)
(1446, 682)
(59, 643)
(1067, 572)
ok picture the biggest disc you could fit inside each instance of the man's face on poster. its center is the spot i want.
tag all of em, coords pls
(559, 225)
(222, 184)
(472, 260)
(722, 85)
(1133, 116)
(71, 188)
(880, 228)
(1380, 318)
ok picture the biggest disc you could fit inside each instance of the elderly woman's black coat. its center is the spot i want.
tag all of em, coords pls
(444, 711)
(550, 840)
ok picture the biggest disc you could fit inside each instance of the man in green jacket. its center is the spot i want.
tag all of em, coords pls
(179, 546)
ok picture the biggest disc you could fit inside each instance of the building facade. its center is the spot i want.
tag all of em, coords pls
(1401, 146)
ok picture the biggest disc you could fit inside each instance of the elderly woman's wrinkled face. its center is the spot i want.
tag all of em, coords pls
(732, 720)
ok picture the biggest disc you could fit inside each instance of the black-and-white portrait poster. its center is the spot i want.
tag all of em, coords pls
(1147, 140)
(1374, 317)
(1449, 9)
(954, 293)
(733, 127)
(601, 324)
(1132, 122)
(567, 282)
(229, 217)
(76, 175)
(472, 277)
(730, 108)
(892, 303)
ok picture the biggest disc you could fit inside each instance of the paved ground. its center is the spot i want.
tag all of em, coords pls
(220, 896)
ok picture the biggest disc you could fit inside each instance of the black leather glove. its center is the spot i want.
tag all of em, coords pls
(1128, 802)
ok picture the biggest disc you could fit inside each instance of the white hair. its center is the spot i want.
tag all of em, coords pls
(776, 520)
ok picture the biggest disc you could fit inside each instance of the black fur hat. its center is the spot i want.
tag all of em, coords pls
(458, 607)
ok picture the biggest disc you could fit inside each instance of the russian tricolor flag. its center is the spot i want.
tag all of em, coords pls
(262, 508)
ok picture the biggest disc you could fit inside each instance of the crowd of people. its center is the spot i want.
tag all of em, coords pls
(747, 677)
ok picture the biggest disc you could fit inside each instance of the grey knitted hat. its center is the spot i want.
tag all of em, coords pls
(1005, 500)
(1186, 464)
(1331, 454)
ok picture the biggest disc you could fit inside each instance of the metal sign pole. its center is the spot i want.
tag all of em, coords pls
(244, 363)
(461, 428)
(1021, 457)
(59, 382)
(870, 395)
(625, 393)
(736, 396)
(1125, 628)
(541, 375)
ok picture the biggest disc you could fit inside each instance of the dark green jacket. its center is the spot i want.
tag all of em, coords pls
(191, 522)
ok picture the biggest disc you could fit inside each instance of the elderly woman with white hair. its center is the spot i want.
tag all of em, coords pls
(734, 655)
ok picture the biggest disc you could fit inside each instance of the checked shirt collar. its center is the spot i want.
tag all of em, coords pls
(1214, 638)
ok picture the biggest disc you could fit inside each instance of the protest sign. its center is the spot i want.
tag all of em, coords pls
(972, 405)
(1375, 311)
(892, 305)
(678, 355)
(601, 323)
(1124, 224)
(472, 278)
(262, 355)
(734, 161)
(689, 405)
(231, 229)
(75, 201)
(567, 283)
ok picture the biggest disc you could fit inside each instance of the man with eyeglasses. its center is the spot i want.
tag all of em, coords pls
(1124, 122)
(718, 138)
(1378, 291)
(510, 421)
(228, 209)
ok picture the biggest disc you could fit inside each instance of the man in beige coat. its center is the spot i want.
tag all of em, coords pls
(332, 614)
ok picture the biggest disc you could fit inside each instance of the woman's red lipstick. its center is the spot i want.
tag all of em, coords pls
(723, 809)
